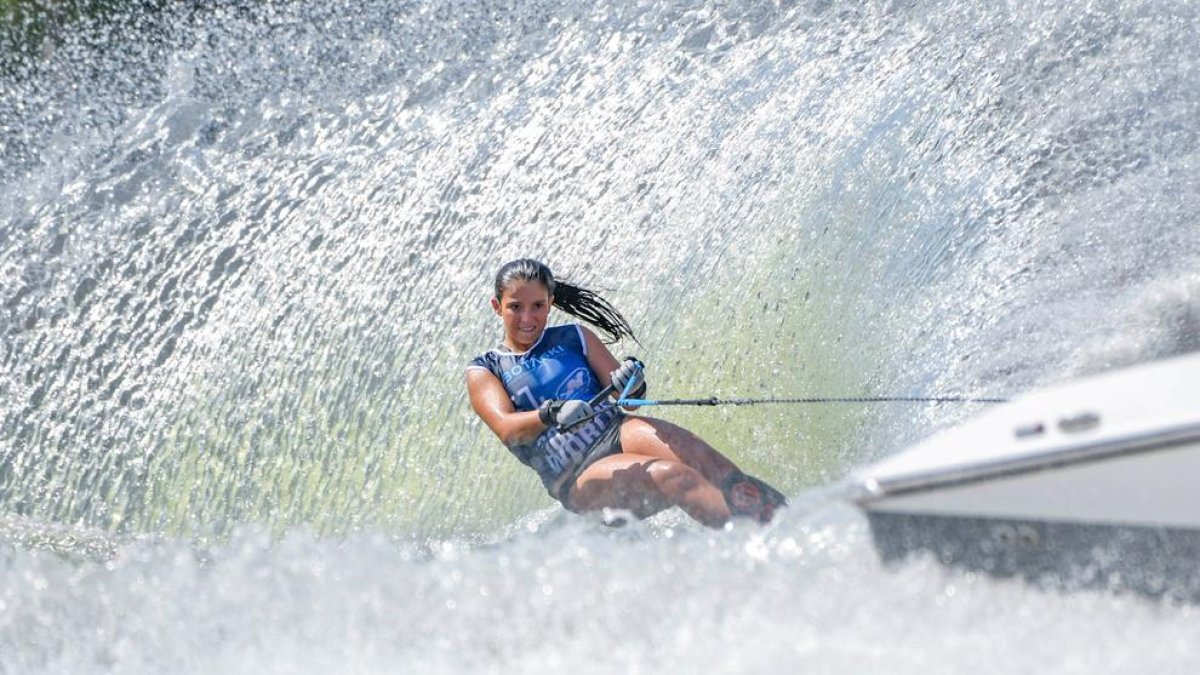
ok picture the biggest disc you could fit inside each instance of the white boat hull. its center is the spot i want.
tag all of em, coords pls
(1148, 487)
(1099, 475)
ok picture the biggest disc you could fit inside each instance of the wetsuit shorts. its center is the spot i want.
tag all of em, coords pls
(607, 445)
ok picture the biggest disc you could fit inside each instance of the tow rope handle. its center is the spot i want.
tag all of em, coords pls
(594, 401)
(603, 394)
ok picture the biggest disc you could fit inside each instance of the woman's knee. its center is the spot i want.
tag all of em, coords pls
(675, 479)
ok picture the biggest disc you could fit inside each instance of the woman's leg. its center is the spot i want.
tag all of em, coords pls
(646, 485)
(744, 495)
(659, 438)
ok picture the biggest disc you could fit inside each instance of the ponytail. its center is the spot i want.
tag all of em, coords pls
(584, 304)
(575, 300)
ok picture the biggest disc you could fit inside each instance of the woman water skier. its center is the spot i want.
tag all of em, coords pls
(533, 391)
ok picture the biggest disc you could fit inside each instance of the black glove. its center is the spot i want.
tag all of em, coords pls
(631, 370)
(564, 413)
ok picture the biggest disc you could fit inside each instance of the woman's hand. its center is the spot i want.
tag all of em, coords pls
(631, 376)
(564, 413)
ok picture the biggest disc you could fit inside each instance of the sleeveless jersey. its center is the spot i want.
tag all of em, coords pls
(555, 367)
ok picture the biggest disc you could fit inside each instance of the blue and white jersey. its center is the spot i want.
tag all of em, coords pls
(555, 367)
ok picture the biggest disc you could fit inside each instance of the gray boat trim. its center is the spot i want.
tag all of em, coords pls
(1158, 563)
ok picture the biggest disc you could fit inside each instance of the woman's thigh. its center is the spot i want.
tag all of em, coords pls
(650, 437)
(622, 481)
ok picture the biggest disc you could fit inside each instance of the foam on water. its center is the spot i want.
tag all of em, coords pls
(807, 594)
(245, 252)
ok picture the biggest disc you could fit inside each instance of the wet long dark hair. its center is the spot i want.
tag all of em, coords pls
(575, 300)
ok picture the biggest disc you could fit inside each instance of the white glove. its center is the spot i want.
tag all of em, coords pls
(631, 370)
(564, 413)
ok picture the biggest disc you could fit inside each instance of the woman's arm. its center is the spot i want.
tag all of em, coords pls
(491, 403)
(601, 361)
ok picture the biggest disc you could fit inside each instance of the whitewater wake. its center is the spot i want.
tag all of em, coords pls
(245, 254)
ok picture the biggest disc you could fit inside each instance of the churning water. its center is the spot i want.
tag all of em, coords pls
(245, 254)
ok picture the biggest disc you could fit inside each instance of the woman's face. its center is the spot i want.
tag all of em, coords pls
(524, 307)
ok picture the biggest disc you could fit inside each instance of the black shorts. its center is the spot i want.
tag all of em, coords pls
(607, 445)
